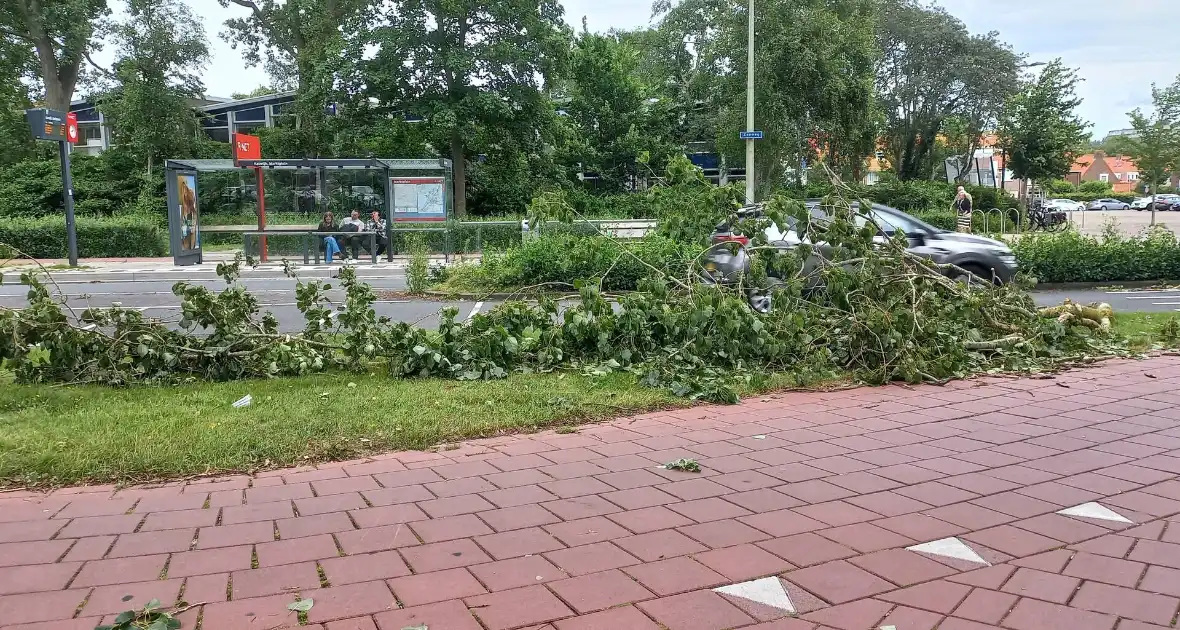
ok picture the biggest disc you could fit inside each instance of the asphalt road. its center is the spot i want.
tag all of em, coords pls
(154, 297)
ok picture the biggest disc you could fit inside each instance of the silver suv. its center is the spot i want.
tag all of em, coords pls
(980, 256)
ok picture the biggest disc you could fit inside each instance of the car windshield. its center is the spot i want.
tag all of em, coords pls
(889, 219)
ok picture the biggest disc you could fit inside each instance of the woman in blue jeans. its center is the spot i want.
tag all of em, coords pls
(331, 247)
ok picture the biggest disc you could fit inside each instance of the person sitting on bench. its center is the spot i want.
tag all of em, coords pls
(353, 242)
(376, 223)
(329, 244)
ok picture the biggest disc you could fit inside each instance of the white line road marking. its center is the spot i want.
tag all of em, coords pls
(1156, 291)
(474, 310)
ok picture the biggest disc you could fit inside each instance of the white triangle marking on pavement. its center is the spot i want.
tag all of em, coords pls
(767, 591)
(950, 548)
(1093, 510)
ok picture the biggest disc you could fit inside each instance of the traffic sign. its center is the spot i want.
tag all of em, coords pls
(62, 128)
(246, 147)
(47, 124)
(750, 135)
(72, 128)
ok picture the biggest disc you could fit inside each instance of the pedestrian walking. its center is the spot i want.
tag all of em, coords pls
(963, 210)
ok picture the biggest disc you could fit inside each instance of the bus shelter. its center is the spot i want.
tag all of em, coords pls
(410, 190)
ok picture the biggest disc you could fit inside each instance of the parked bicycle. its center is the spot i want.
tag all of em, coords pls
(1044, 217)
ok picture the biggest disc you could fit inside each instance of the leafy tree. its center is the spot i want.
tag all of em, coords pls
(17, 64)
(59, 32)
(1039, 128)
(668, 71)
(813, 60)
(933, 72)
(1155, 146)
(161, 50)
(463, 65)
(301, 44)
(617, 128)
(262, 90)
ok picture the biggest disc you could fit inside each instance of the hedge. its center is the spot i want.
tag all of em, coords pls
(1072, 257)
(571, 259)
(127, 236)
(454, 237)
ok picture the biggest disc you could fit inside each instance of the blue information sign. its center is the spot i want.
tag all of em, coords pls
(750, 135)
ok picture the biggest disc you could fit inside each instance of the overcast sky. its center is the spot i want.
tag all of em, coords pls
(1119, 46)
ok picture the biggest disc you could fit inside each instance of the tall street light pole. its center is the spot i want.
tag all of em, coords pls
(750, 107)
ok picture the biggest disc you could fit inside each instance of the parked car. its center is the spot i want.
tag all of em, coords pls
(727, 261)
(1108, 204)
(1067, 205)
(1167, 202)
(1141, 203)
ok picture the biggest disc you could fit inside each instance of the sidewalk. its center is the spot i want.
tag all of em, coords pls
(1024, 504)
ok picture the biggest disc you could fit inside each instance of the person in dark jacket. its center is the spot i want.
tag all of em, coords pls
(376, 223)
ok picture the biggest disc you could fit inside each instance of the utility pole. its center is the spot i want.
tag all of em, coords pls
(63, 148)
(750, 108)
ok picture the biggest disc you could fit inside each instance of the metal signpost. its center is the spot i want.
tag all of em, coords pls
(248, 147)
(750, 108)
(62, 128)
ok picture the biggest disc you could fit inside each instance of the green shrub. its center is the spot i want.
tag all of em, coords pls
(1096, 188)
(418, 271)
(127, 236)
(1073, 257)
(572, 260)
(1060, 188)
(103, 185)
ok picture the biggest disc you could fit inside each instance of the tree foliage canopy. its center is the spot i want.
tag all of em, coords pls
(1155, 146)
(161, 50)
(465, 65)
(59, 33)
(1040, 129)
(932, 72)
(813, 62)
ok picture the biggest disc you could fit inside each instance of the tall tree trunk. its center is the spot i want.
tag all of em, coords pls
(60, 76)
(57, 96)
(459, 174)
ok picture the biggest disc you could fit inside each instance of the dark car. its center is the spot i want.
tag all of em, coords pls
(1108, 204)
(979, 256)
(1167, 202)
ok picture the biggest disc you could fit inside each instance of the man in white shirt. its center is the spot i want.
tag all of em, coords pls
(352, 243)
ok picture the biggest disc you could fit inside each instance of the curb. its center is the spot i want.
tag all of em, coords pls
(1045, 287)
(1110, 284)
(492, 296)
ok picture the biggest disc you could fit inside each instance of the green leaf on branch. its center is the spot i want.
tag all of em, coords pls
(684, 465)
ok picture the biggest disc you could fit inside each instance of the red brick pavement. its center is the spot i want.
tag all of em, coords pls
(583, 531)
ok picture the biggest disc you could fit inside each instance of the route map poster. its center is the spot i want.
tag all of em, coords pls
(419, 199)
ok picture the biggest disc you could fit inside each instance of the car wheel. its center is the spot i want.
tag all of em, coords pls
(973, 274)
(762, 300)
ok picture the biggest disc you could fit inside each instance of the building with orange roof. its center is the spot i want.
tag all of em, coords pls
(1119, 171)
